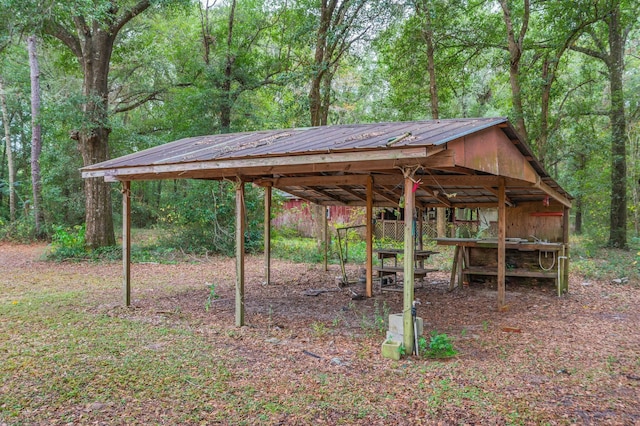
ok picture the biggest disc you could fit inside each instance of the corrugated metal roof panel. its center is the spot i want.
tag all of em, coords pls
(304, 141)
(377, 149)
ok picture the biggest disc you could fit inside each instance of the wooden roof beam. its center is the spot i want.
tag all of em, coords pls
(322, 180)
(432, 193)
(439, 180)
(547, 190)
(400, 193)
(327, 194)
(459, 170)
(338, 161)
(384, 193)
(553, 194)
(494, 191)
(352, 192)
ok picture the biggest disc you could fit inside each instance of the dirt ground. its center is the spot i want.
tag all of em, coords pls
(555, 360)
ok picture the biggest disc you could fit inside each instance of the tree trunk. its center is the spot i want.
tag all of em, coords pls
(9, 152)
(618, 214)
(92, 43)
(515, 47)
(94, 139)
(320, 62)
(427, 35)
(227, 102)
(634, 155)
(548, 76)
(325, 102)
(614, 60)
(582, 164)
(36, 136)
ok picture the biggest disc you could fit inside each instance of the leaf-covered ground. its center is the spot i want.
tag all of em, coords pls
(71, 354)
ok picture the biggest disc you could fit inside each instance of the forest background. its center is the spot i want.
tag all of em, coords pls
(86, 80)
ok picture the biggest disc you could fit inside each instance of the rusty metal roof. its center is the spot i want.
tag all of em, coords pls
(350, 137)
(329, 165)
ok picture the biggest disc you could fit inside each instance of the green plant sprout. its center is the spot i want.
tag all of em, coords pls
(440, 346)
(212, 296)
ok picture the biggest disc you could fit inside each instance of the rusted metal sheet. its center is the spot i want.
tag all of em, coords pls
(304, 141)
(456, 162)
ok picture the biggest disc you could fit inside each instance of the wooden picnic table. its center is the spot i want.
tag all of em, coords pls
(420, 256)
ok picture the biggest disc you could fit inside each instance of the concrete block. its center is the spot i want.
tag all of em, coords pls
(395, 337)
(391, 350)
(396, 324)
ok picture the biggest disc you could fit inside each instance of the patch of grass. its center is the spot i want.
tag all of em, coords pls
(381, 316)
(595, 262)
(296, 249)
(68, 244)
(305, 250)
(62, 353)
(319, 329)
(58, 357)
(606, 264)
(375, 322)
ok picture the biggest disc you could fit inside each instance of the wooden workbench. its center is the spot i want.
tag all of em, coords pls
(529, 259)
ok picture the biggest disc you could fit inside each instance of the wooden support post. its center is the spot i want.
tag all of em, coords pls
(502, 229)
(369, 238)
(461, 265)
(464, 263)
(126, 242)
(454, 268)
(239, 253)
(326, 238)
(420, 230)
(565, 240)
(409, 253)
(420, 235)
(267, 234)
(441, 222)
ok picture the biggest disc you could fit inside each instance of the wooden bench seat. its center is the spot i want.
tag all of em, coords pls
(478, 270)
(393, 270)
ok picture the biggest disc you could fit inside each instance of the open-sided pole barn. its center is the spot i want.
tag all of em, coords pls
(457, 163)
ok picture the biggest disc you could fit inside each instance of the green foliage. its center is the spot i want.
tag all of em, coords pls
(319, 328)
(199, 217)
(422, 345)
(211, 296)
(354, 249)
(159, 62)
(68, 243)
(21, 231)
(300, 250)
(381, 316)
(285, 244)
(594, 262)
(440, 346)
